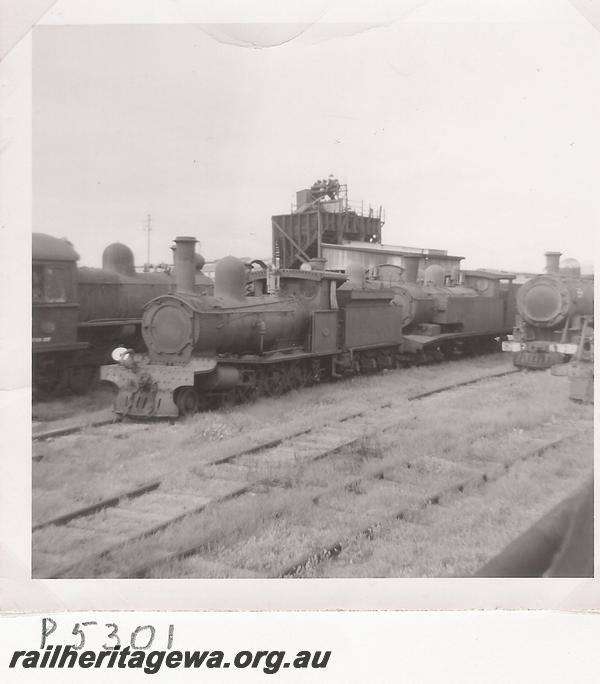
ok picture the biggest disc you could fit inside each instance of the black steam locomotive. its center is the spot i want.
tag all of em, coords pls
(313, 325)
(79, 314)
(555, 316)
(448, 317)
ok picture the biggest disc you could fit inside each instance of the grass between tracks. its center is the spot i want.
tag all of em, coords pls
(457, 537)
(100, 397)
(83, 468)
(444, 438)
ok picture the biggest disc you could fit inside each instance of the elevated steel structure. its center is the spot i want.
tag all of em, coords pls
(322, 214)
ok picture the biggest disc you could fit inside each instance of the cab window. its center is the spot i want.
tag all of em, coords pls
(37, 284)
(50, 283)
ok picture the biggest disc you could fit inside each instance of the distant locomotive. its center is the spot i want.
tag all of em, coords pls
(316, 325)
(555, 315)
(79, 314)
(443, 317)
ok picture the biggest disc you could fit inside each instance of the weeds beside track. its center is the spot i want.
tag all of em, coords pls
(140, 517)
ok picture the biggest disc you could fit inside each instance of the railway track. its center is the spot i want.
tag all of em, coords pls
(109, 419)
(330, 550)
(41, 435)
(137, 519)
(370, 531)
(95, 531)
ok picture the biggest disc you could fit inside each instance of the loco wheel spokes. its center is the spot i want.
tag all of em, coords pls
(472, 347)
(245, 393)
(314, 375)
(384, 360)
(187, 401)
(299, 375)
(367, 363)
(449, 350)
(228, 399)
(261, 383)
(276, 380)
(249, 389)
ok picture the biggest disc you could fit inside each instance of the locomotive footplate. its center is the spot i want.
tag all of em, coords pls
(146, 390)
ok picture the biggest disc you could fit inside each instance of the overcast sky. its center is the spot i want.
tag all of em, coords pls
(477, 137)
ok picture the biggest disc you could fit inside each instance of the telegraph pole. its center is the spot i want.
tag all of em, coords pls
(148, 229)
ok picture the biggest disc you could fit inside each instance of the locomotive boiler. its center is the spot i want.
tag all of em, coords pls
(555, 313)
(79, 314)
(202, 348)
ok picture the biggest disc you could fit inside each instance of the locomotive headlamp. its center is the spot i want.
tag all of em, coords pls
(118, 353)
(123, 356)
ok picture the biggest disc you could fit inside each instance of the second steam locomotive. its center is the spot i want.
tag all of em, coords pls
(80, 313)
(555, 316)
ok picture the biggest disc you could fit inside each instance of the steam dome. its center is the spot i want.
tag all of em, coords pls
(118, 258)
(570, 267)
(230, 278)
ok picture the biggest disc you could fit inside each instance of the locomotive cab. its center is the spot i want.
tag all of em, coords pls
(55, 310)
(54, 294)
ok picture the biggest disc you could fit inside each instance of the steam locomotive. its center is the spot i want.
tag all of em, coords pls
(79, 314)
(555, 316)
(448, 317)
(298, 327)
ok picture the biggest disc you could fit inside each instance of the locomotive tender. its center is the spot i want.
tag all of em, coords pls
(315, 325)
(79, 314)
(555, 316)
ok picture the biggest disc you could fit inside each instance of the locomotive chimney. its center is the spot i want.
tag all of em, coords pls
(552, 262)
(411, 267)
(185, 263)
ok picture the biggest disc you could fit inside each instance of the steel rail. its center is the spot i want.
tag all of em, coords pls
(68, 430)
